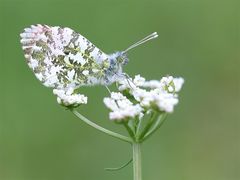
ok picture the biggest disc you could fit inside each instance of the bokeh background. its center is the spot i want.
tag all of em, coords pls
(198, 40)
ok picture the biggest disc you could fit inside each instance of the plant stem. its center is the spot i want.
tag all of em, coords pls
(137, 165)
(148, 126)
(119, 168)
(100, 128)
(156, 126)
(129, 130)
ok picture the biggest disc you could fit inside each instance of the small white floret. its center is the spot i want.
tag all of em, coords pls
(121, 107)
(138, 80)
(154, 94)
(178, 83)
(67, 98)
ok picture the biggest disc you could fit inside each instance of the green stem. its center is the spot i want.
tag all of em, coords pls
(148, 126)
(119, 168)
(137, 166)
(129, 130)
(156, 126)
(139, 127)
(106, 131)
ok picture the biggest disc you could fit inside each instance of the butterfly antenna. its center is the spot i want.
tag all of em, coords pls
(147, 38)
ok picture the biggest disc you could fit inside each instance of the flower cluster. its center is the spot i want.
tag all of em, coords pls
(69, 98)
(143, 96)
(121, 107)
(135, 97)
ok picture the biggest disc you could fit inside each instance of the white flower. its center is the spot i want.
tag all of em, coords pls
(121, 107)
(178, 83)
(166, 80)
(130, 83)
(67, 98)
(150, 95)
(152, 84)
(138, 80)
(167, 84)
(162, 94)
(156, 98)
(166, 101)
(126, 84)
(117, 96)
(130, 112)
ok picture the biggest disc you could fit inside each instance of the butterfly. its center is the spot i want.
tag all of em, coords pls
(62, 58)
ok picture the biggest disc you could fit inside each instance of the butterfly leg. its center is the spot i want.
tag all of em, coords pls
(129, 81)
(108, 90)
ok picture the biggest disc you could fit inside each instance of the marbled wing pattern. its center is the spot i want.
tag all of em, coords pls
(61, 58)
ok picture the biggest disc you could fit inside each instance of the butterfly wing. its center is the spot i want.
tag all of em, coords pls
(62, 58)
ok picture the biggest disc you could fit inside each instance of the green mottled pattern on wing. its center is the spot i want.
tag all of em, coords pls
(62, 58)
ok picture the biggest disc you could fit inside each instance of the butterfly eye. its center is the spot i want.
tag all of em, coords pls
(66, 52)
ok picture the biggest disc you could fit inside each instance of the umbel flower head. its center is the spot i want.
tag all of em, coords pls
(138, 96)
(135, 98)
(69, 98)
(121, 107)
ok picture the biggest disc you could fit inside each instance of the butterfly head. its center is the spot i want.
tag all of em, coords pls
(122, 58)
(118, 60)
(114, 72)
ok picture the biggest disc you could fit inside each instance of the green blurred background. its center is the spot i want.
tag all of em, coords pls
(198, 40)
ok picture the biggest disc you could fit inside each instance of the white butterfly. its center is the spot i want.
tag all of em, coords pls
(63, 59)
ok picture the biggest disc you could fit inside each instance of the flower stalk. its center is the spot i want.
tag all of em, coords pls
(100, 128)
(137, 161)
(159, 122)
